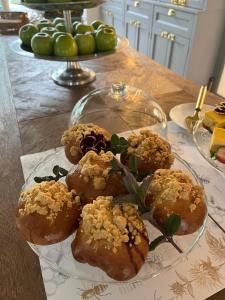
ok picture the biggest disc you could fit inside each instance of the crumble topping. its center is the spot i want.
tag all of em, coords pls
(116, 224)
(47, 198)
(75, 133)
(147, 144)
(174, 185)
(97, 167)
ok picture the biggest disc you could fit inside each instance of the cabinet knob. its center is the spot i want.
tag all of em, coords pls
(171, 37)
(136, 4)
(171, 12)
(109, 13)
(179, 2)
(164, 34)
(132, 22)
(137, 24)
(183, 2)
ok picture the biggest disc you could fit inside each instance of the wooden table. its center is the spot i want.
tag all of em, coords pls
(33, 114)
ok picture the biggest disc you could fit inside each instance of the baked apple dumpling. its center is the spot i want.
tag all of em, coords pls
(47, 213)
(173, 192)
(113, 238)
(152, 152)
(81, 138)
(91, 177)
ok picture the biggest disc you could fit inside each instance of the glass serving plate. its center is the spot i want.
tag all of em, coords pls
(59, 256)
(72, 5)
(202, 139)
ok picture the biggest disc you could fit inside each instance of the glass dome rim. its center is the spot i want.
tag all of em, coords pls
(99, 90)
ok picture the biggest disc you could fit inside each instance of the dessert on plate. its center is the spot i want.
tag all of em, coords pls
(215, 117)
(111, 237)
(172, 192)
(47, 213)
(152, 152)
(81, 138)
(217, 147)
(92, 177)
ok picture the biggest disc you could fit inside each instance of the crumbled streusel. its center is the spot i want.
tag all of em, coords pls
(47, 198)
(116, 224)
(75, 133)
(174, 185)
(148, 145)
(97, 167)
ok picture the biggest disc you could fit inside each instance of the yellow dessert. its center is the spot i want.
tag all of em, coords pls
(213, 119)
(218, 139)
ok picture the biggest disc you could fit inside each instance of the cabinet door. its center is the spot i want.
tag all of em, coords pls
(200, 4)
(159, 46)
(177, 53)
(113, 17)
(138, 35)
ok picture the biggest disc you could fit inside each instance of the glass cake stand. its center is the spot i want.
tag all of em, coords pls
(59, 256)
(202, 138)
(73, 74)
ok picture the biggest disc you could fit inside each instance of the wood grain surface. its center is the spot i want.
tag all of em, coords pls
(33, 113)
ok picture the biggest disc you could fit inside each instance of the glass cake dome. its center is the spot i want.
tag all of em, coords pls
(120, 108)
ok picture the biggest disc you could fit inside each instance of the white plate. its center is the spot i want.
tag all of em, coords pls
(179, 112)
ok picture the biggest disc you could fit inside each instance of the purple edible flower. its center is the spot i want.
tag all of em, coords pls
(94, 142)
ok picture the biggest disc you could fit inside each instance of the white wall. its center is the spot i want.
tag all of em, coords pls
(221, 87)
(91, 14)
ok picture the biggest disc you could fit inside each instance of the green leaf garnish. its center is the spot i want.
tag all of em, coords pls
(141, 175)
(118, 144)
(138, 192)
(55, 170)
(133, 164)
(172, 224)
(59, 172)
(156, 242)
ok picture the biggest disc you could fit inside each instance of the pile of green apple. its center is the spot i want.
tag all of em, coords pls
(47, 38)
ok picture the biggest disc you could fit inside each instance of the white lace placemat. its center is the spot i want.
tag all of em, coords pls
(198, 276)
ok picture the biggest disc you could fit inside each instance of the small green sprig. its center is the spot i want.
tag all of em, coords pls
(58, 171)
(137, 191)
(133, 166)
(171, 226)
(118, 144)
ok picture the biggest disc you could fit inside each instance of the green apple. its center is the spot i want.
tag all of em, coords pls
(85, 43)
(94, 33)
(75, 25)
(58, 1)
(34, 1)
(105, 40)
(82, 28)
(61, 27)
(49, 30)
(65, 46)
(58, 21)
(97, 23)
(44, 23)
(26, 33)
(106, 26)
(58, 33)
(42, 44)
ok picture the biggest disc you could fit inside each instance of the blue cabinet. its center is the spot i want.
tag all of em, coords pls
(184, 38)
(159, 46)
(112, 14)
(138, 35)
(200, 4)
